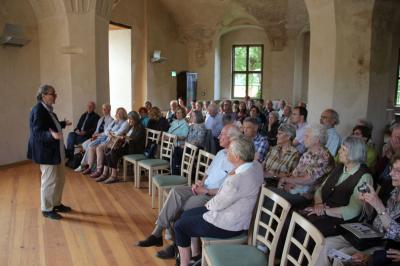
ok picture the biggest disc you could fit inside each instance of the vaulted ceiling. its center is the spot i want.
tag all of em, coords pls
(204, 19)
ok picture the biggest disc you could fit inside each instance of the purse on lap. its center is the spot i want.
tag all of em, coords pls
(362, 236)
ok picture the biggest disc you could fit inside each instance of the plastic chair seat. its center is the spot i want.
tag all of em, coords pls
(235, 255)
(153, 163)
(135, 157)
(169, 180)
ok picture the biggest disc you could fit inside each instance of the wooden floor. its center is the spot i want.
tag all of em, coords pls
(106, 222)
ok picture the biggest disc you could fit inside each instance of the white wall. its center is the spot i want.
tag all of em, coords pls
(120, 69)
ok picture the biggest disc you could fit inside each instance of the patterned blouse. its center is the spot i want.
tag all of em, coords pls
(197, 135)
(314, 164)
(281, 163)
(393, 209)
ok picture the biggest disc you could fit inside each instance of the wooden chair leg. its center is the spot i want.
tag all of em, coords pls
(160, 195)
(153, 194)
(125, 170)
(150, 179)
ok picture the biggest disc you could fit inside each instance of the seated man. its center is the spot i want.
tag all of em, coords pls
(229, 213)
(330, 118)
(84, 130)
(317, 162)
(250, 130)
(103, 123)
(185, 198)
(299, 119)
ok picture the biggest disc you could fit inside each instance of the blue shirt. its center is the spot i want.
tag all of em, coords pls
(218, 170)
(334, 141)
(179, 128)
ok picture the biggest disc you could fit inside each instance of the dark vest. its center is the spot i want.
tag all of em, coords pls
(337, 196)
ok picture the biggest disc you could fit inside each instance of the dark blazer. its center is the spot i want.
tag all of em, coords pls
(42, 147)
(90, 125)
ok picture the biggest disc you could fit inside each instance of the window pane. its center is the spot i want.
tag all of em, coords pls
(240, 58)
(255, 85)
(255, 58)
(239, 85)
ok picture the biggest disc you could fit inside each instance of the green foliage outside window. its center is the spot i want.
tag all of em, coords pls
(247, 71)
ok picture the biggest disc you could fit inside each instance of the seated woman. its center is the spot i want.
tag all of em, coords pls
(197, 129)
(144, 119)
(255, 113)
(365, 133)
(229, 212)
(387, 221)
(337, 200)
(179, 127)
(118, 127)
(157, 121)
(242, 112)
(134, 143)
(272, 128)
(283, 158)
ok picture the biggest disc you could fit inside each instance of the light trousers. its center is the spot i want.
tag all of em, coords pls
(179, 199)
(52, 185)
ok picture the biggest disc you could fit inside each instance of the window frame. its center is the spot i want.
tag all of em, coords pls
(397, 83)
(247, 72)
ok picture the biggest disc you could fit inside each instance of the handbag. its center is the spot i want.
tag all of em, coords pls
(114, 143)
(150, 150)
(361, 235)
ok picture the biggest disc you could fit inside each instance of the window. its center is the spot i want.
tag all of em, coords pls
(397, 103)
(247, 66)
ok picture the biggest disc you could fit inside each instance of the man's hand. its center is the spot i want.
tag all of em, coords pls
(55, 135)
(67, 122)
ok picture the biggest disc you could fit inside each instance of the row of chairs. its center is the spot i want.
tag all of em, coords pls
(271, 214)
(159, 169)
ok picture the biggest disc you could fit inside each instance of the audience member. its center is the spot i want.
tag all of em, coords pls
(255, 113)
(365, 133)
(298, 188)
(84, 130)
(282, 105)
(179, 127)
(144, 119)
(148, 105)
(214, 120)
(157, 121)
(250, 130)
(386, 221)
(330, 119)
(272, 128)
(227, 109)
(282, 159)
(181, 103)
(197, 130)
(299, 119)
(103, 123)
(171, 112)
(229, 213)
(134, 142)
(118, 127)
(185, 198)
(285, 117)
(242, 112)
(337, 200)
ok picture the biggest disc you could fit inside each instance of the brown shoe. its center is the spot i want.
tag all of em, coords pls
(96, 174)
(101, 178)
(111, 179)
(87, 171)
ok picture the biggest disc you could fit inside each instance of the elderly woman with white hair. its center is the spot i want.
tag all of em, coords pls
(298, 188)
(229, 212)
(337, 200)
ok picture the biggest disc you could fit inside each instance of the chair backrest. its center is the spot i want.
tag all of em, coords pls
(303, 242)
(189, 154)
(271, 214)
(152, 136)
(167, 146)
(203, 162)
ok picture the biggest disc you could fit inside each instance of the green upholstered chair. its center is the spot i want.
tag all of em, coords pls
(166, 182)
(151, 136)
(270, 217)
(155, 166)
